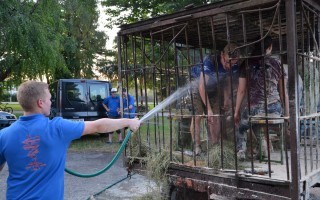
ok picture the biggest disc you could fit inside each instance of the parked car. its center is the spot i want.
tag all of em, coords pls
(6, 119)
(79, 99)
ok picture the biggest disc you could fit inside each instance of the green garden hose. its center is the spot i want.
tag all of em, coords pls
(115, 158)
(111, 185)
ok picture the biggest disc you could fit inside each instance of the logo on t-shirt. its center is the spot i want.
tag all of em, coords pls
(31, 144)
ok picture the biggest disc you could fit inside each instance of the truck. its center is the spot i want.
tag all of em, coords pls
(79, 99)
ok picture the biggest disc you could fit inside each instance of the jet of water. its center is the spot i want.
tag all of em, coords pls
(169, 100)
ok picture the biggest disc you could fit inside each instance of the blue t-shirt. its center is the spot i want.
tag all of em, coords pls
(210, 69)
(35, 148)
(113, 103)
(131, 112)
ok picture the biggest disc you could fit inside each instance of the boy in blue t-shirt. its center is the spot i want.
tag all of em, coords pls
(207, 75)
(35, 147)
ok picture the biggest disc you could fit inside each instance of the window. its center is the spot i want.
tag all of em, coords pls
(98, 92)
(75, 92)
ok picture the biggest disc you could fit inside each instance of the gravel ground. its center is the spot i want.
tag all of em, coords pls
(82, 188)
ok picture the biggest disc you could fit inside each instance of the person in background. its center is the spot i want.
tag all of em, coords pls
(128, 105)
(112, 106)
(35, 147)
(205, 91)
(277, 97)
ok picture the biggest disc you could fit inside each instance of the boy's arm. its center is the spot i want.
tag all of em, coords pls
(227, 93)
(108, 125)
(105, 103)
(240, 95)
(284, 96)
(105, 107)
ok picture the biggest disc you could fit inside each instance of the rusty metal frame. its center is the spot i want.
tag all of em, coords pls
(300, 30)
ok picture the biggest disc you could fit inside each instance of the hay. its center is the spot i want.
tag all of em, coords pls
(157, 166)
(228, 156)
(138, 148)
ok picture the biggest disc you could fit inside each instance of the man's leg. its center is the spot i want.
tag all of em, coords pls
(195, 132)
(196, 120)
(119, 136)
(214, 127)
(110, 137)
(241, 133)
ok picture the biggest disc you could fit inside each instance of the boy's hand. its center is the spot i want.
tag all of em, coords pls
(236, 118)
(134, 124)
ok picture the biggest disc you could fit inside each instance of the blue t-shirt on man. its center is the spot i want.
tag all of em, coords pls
(113, 103)
(35, 148)
(126, 103)
(210, 69)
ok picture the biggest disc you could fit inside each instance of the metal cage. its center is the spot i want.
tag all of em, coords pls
(155, 59)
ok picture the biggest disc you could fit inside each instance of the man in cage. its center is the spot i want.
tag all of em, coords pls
(112, 106)
(277, 98)
(207, 76)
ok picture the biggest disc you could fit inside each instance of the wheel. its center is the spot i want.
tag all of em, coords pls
(8, 109)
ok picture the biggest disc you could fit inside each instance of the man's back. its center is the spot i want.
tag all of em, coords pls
(271, 73)
(35, 150)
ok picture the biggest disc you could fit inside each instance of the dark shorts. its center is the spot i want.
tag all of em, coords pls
(199, 106)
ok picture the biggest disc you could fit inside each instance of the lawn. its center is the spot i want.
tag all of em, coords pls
(153, 132)
(148, 133)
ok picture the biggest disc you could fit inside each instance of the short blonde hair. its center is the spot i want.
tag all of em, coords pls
(29, 93)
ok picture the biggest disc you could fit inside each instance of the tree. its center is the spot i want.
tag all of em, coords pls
(84, 47)
(30, 40)
(129, 11)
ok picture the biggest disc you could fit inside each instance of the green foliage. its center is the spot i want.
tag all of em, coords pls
(49, 39)
(128, 11)
(82, 43)
(30, 39)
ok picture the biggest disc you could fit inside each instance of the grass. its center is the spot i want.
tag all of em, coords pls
(156, 130)
(15, 106)
(97, 142)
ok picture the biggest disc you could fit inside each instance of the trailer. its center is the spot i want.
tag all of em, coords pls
(158, 54)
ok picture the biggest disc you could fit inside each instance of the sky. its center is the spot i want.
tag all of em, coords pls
(112, 33)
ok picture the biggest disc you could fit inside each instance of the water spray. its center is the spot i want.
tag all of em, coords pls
(172, 98)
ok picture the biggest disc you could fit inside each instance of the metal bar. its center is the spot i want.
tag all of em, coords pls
(145, 87)
(154, 84)
(293, 103)
(205, 90)
(266, 127)
(164, 68)
(244, 33)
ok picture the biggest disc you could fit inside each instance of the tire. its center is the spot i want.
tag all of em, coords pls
(8, 109)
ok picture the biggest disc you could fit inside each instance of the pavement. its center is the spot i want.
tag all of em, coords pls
(83, 188)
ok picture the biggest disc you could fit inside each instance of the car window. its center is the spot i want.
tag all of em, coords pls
(98, 92)
(75, 92)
